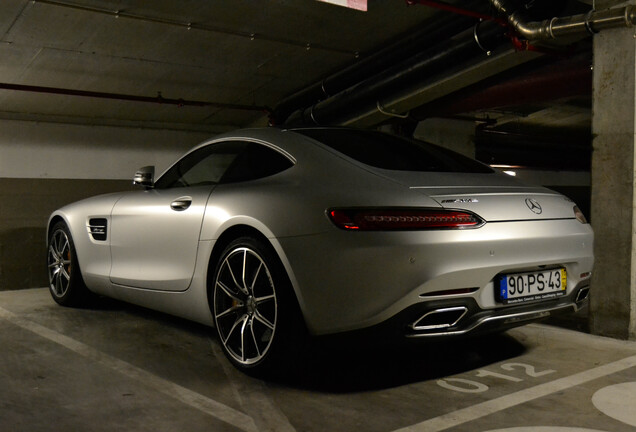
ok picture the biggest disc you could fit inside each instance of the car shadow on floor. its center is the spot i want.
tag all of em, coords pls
(346, 366)
(340, 368)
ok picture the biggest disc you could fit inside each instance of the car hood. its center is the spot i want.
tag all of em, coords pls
(494, 197)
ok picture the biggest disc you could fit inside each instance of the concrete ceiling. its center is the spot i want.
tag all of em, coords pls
(246, 53)
(240, 52)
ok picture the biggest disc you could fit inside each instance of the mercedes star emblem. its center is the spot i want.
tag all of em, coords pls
(534, 205)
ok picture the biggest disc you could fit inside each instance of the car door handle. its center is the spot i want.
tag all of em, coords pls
(181, 204)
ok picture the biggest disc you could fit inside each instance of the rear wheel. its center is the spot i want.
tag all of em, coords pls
(255, 311)
(65, 280)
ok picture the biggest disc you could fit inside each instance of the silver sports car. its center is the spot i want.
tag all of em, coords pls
(271, 235)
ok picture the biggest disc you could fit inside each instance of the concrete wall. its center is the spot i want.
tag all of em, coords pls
(44, 166)
(613, 289)
(456, 135)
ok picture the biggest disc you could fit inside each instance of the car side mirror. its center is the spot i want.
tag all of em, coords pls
(145, 176)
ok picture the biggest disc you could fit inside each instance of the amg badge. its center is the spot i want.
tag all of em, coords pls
(460, 201)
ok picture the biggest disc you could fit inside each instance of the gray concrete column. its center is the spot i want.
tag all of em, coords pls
(613, 289)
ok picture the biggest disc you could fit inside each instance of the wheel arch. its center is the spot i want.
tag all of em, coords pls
(242, 230)
(76, 293)
(73, 224)
(53, 220)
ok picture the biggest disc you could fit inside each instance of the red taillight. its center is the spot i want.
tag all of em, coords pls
(408, 219)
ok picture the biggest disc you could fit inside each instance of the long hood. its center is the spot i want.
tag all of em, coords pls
(494, 197)
(97, 205)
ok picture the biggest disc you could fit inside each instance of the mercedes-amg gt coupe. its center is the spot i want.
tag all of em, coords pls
(273, 236)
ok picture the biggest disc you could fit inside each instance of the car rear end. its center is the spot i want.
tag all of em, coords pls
(482, 253)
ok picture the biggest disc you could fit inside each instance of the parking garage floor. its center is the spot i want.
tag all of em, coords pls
(119, 367)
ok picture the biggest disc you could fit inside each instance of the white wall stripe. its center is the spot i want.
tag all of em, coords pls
(483, 409)
(193, 399)
(64, 151)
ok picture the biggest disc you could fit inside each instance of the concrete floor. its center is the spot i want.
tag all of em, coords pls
(119, 367)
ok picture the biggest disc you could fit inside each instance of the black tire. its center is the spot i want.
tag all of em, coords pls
(66, 284)
(256, 314)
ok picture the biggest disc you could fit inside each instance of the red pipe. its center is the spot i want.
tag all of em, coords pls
(130, 98)
(514, 38)
(560, 80)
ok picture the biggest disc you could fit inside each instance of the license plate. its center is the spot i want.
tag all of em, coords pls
(533, 286)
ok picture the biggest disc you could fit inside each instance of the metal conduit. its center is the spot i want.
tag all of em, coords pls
(368, 66)
(130, 98)
(590, 23)
(363, 97)
(195, 26)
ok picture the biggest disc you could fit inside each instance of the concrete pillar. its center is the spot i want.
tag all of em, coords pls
(613, 289)
(456, 135)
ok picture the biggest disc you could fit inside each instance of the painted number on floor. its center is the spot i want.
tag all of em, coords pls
(472, 386)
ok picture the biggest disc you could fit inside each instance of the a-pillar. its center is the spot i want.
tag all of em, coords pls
(613, 287)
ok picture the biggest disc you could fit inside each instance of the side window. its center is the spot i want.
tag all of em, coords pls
(226, 162)
(255, 162)
(205, 166)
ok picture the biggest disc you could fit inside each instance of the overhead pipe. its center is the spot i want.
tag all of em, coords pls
(575, 25)
(414, 72)
(567, 78)
(362, 99)
(130, 98)
(366, 67)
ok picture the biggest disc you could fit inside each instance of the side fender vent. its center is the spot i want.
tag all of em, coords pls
(98, 227)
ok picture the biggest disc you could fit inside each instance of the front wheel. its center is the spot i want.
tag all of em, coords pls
(255, 311)
(65, 280)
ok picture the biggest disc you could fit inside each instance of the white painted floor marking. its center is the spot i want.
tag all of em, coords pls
(545, 429)
(483, 409)
(252, 395)
(195, 400)
(617, 401)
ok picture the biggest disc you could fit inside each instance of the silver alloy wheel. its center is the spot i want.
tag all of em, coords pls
(245, 306)
(59, 263)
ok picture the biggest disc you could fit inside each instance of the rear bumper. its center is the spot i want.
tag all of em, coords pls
(353, 280)
(399, 329)
(476, 320)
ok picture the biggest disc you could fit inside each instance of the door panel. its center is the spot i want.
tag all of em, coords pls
(155, 235)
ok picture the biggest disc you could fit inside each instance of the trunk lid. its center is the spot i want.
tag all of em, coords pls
(498, 205)
(494, 197)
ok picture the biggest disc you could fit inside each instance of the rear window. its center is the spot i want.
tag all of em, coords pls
(394, 153)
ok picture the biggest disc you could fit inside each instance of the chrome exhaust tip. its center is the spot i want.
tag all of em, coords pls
(440, 318)
(582, 294)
